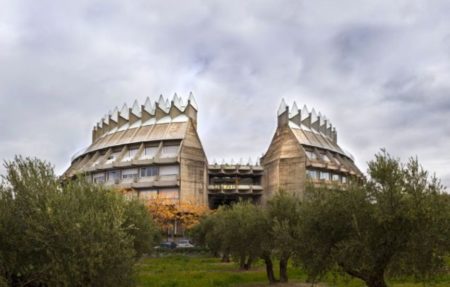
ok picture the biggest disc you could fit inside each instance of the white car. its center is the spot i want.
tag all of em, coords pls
(184, 243)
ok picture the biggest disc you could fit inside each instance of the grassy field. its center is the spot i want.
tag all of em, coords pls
(203, 271)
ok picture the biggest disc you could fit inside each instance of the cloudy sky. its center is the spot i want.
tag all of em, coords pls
(380, 70)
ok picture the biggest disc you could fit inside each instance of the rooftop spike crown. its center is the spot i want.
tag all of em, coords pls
(184, 110)
(305, 119)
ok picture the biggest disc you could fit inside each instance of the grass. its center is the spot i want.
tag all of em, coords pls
(178, 270)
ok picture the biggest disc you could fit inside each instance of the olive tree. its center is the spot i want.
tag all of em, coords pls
(397, 222)
(283, 212)
(75, 234)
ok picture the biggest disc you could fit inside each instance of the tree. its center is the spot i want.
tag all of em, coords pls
(243, 232)
(239, 230)
(283, 211)
(168, 214)
(75, 234)
(395, 223)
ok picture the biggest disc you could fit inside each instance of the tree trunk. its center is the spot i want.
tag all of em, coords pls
(226, 257)
(269, 269)
(242, 262)
(283, 269)
(376, 281)
(248, 264)
(372, 279)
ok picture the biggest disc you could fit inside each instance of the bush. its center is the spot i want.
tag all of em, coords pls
(78, 234)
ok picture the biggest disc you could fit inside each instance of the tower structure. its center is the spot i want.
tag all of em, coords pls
(152, 149)
(304, 148)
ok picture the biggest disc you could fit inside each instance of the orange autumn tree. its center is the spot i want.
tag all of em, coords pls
(169, 213)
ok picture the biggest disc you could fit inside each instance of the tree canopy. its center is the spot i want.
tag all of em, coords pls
(397, 222)
(71, 234)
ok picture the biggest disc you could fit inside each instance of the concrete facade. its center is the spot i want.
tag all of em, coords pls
(154, 150)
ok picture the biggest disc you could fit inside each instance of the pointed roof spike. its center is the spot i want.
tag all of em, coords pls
(115, 114)
(124, 112)
(192, 100)
(124, 108)
(294, 110)
(282, 107)
(178, 102)
(322, 121)
(136, 109)
(313, 115)
(305, 112)
(161, 101)
(175, 98)
(148, 102)
(149, 106)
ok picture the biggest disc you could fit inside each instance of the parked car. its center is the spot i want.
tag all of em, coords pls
(184, 243)
(167, 245)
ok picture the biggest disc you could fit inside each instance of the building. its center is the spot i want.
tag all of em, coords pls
(154, 151)
(304, 148)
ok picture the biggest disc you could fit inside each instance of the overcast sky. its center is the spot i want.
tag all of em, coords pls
(380, 70)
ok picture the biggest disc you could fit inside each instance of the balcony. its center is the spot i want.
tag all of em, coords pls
(233, 188)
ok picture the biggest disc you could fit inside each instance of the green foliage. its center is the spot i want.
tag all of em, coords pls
(238, 230)
(77, 234)
(397, 222)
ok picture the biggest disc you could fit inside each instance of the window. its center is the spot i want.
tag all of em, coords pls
(149, 152)
(149, 171)
(113, 175)
(98, 160)
(98, 177)
(335, 177)
(130, 154)
(326, 158)
(312, 174)
(169, 170)
(169, 151)
(324, 175)
(344, 179)
(130, 173)
(112, 157)
(311, 155)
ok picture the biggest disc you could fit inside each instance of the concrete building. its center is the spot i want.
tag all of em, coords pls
(154, 150)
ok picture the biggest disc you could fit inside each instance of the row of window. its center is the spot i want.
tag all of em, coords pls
(238, 180)
(168, 195)
(167, 151)
(325, 175)
(131, 173)
(312, 155)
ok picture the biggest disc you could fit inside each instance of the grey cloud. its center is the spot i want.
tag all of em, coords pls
(378, 70)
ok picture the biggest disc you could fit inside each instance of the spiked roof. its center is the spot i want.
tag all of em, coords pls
(119, 127)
